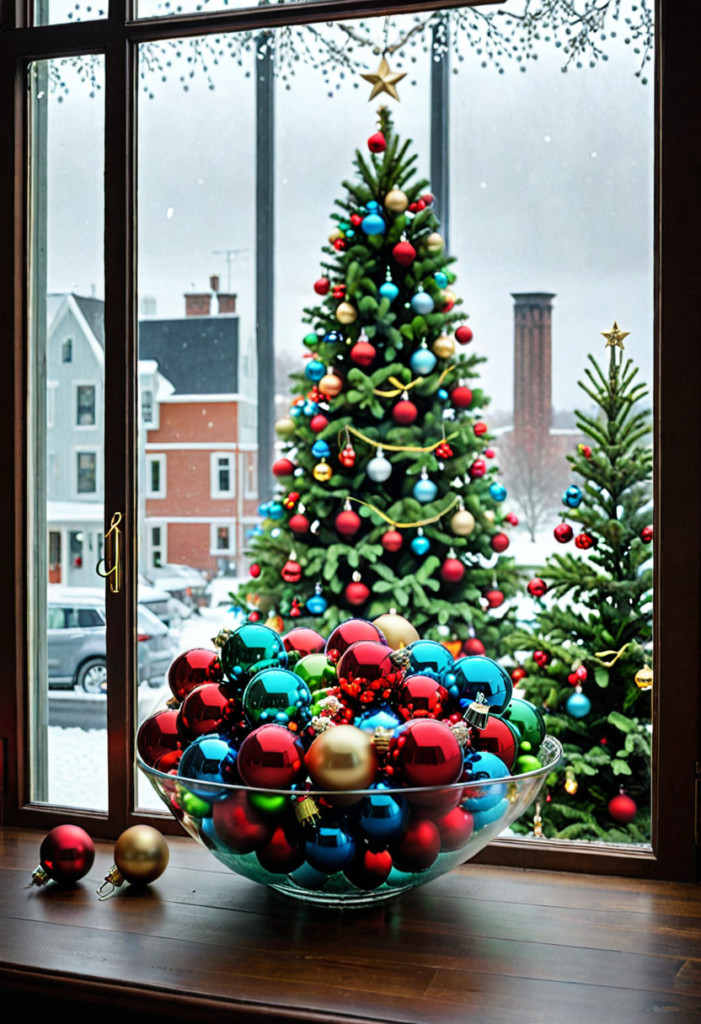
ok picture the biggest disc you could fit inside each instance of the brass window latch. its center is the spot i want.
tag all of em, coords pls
(113, 555)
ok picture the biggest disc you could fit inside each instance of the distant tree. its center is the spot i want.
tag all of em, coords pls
(534, 475)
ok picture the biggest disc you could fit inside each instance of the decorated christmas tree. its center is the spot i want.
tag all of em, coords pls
(589, 651)
(387, 498)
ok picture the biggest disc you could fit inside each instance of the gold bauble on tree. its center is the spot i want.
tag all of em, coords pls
(397, 631)
(331, 385)
(322, 472)
(275, 622)
(443, 347)
(396, 201)
(434, 243)
(643, 678)
(285, 427)
(335, 235)
(346, 314)
(489, 516)
(462, 523)
(342, 757)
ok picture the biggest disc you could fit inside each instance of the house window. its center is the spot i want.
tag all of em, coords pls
(222, 475)
(147, 408)
(250, 473)
(156, 476)
(86, 472)
(67, 351)
(85, 405)
(223, 542)
(157, 546)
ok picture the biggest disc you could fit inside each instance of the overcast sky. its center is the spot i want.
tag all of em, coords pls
(551, 190)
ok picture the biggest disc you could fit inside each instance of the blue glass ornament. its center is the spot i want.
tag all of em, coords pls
(373, 206)
(420, 545)
(309, 878)
(443, 394)
(314, 370)
(251, 648)
(441, 279)
(422, 362)
(209, 759)
(389, 290)
(330, 849)
(497, 491)
(317, 604)
(425, 490)
(380, 818)
(482, 764)
(381, 718)
(578, 705)
(276, 510)
(320, 450)
(310, 408)
(479, 675)
(481, 819)
(373, 224)
(350, 233)
(263, 508)
(277, 695)
(572, 497)
(296, 411)
(422, 303)
(333, 337)
(429, 658)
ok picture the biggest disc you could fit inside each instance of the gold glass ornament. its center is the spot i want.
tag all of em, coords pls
(342, 758)
(571, 784)
(322, 472)
(397, 630)
(331, 385)
(334, 235)
(396, 200)
(443, 347)
(275, 622)
(489, 516)
(285, 427)
(643, 678)
(346, 314)
(434, 243)
(140, 856)
(462, 523)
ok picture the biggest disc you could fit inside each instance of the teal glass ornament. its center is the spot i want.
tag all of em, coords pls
(429, 658)
(277, 695)
(578, 705)
(422, 362)
(320, 450)
(373, 224)
(422, 303)
(482, 764)
(314, 370)
(373, 206)
(250, 649)
(441, 279)
(330, 849)
(389, 290)
(209, 759)
(497, 491)
(275, 510)
(420, 545)
(382, 817)
(425, 490)
(572, 497)
(317, 605)
(442, 394)
(263, 508)
(475, 675)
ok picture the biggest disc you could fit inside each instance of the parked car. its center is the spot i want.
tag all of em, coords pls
(180, 581)
(217, 594)
(76, 641)
(156, 600)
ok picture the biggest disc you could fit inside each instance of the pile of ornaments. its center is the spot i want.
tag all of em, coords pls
(267, 739)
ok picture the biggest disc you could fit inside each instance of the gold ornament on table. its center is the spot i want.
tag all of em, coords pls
(384, 80)
(141, 856)
(462, 523)
(443, 347)
(346, 313)
(396, 200)
(643, 678)
(397, 631)
(614, 337)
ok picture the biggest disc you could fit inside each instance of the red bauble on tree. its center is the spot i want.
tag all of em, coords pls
(473, 646)
(499, 542)
(480, 428)
(489, 453)
(348, 523)
(518, 674)
(322, 285)
(541, 658)
(646, 534)
(563, 533)
(254, 570)
(463, 334)
(584, 541)
(623, 808)
(585, 450)
(452, 570)
(494, 598)
(461, 397)
(392, 540)
(299, 523)
(477, 469)
(291, 571)
(404, 253)
(511, 518)
(356, 593)
(537, 587)
(404, 412)
(318, 423)
(283, 467)
(347, 456)
(363, 353)
(377, 143)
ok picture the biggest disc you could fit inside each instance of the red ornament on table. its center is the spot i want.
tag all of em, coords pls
(321, 286)
(363, 353)
(283, 467)
(646, 534)
(404, 253)
(537, 587)
(318, 423)
(584, 541)
(356, 593)
(461, 397)
(473, 646)
(392, 540)
(347, 456)
(404, 412)
(563, 533)
(541, 658)
(499, 542)
(623, 808)
(193, 668)
(347, 523)
(291, 571)
(299, 523)
(452, 570)
(377, 143)
(494, 598)
(254, 570)
(463, 334)
(66, 855)
(477, 469)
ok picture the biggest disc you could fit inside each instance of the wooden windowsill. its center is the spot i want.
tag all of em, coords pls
(492, 944)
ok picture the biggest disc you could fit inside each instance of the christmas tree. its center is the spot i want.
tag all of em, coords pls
(387, 498)
(588, 661)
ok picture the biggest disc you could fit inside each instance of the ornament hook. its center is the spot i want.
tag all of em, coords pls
(113, 553)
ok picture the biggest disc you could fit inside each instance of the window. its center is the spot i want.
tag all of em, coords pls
(85, 405)
(156, 476)
(67, 351)
(86, 472)
(249, 467)
(222, 475)
(147, 408)
(222, 539)
(157, 554)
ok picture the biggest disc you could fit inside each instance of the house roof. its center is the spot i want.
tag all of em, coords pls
(198, 354)
(94, 312)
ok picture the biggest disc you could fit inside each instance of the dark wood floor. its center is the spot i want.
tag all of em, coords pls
(484, 944)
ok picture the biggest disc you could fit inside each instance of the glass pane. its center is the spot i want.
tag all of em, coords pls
(56, 12)
(67, 672)
(166, 8)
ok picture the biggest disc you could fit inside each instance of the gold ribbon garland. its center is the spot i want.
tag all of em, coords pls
(398, 447)
(606, 654)
(400, 388)
(408, 526)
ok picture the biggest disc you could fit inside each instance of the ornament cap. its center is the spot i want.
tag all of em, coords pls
(477, 713)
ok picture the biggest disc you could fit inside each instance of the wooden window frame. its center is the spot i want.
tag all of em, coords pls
(677, 376)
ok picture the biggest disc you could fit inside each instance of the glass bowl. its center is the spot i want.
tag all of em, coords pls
(349, 848)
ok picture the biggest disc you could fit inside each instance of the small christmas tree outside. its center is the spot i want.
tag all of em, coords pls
(386, 495)
(586, 661)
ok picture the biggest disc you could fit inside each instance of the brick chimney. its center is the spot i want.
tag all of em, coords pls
(227, 302)
(198, 303)
(532, 368)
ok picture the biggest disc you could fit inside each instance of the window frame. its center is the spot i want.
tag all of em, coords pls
(162, 460)
(677, 514)
(218, 493)
(85, 449)
(77, 387)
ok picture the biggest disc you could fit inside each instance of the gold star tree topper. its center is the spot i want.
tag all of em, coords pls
(615, 336)
(384, 80)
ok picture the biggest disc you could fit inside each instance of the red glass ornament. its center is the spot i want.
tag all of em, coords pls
(477, 469)
(66, 855)
(584, 541)
(404, 412)
(497, 737)
(418, 847)
(454, 828)
(461, 397)
(255, 570)
(366, 673)
(370, 869)
(421, 697)
(340, 244)
(537, 587)
(376, 143)
(254, 617)
(447, 301)
(572, 679)
(428, 198)
(518, 674)
(321, 286)
(193, 668)
(511, 518)
(463, 334)
(318, 423)
(291, 500)
(348, 523)
(646, 534)
(585, 450)
(392, 540)
(303, 641)
(581, 673)
(299, 523)
(452, 570)
(444, 451)
(474, 646)
(347, 456)
(356, 220)
(623, 808)
(239, 824)
(352, 631)
(291, 572)
(563, 533)
(356, 593)
(158, 740)
(494, 598)
(425, 752)
(404, 253)
(363, 353)
(295, 610)
(280, 854)
(480, 427)
(541, 658)
(339, 291)
(283, 467)
(499, 542)
(204, 710)
(271, 757)
(489, 453)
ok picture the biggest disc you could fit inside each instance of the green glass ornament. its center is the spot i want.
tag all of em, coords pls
(269, 803)
(317, 671)
(193, 805)
(528, 720)
(250, 649)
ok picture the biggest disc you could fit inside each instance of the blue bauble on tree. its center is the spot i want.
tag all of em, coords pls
(389, 290)
(422, 362)
(578, 705)
(497, 491)
(441, 279)
(420, 545)
(373, 224)
(572, 497)
(425, 490)
(314, 370)
(422, 303)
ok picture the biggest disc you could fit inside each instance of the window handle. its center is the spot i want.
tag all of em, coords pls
(113, 555)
